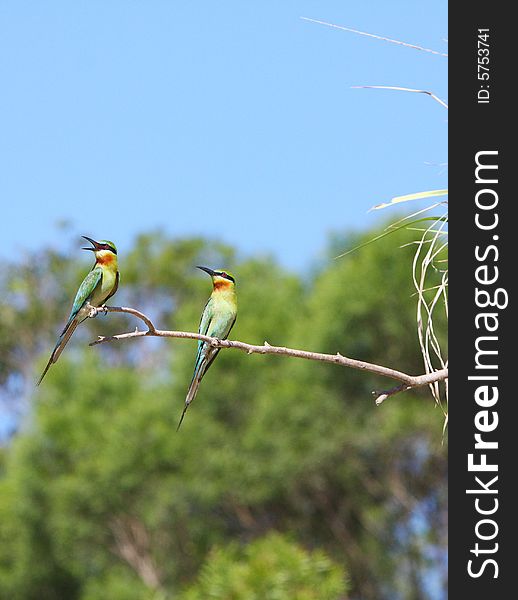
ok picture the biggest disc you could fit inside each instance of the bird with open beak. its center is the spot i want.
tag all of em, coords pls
(97, 287)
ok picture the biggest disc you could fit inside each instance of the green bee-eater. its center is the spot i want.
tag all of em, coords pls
(99, 285)
(218, 318)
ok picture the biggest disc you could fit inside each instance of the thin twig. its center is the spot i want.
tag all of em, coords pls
(372, 35)
(400, 89)
(409, 381)
(124, 309)
(381, 396)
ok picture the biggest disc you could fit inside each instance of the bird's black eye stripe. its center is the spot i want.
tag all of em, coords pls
(108, 247)
(225, 275)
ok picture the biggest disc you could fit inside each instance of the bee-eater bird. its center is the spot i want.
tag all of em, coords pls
(99, 285)
(217, 319)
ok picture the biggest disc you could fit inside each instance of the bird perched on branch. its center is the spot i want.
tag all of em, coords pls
(218, 318)
(99, 285)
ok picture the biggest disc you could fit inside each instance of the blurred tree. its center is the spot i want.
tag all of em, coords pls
(270, 568)
(100, 497)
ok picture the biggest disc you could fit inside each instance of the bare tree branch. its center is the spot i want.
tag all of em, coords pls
(133, 544)
(122, 309)
(408, 381)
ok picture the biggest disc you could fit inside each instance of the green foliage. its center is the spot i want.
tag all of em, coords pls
(270, 568)
(100, 497)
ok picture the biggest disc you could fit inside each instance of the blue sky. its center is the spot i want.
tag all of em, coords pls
(229, 119)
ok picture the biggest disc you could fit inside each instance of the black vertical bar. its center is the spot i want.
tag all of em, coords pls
(482, 246)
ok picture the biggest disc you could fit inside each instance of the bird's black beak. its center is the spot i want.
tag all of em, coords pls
(207, 270)
(93, 242)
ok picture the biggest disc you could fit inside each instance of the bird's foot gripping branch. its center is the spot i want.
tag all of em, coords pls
(407, 382)
(94, 311)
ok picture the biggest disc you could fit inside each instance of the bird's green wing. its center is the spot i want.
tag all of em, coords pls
(220, 327)
(83, 294)
(205, 322)
(222, 334)
(202, 356)
(206, 317)
(85, 291)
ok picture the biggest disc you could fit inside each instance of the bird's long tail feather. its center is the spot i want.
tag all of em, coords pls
(193, 388)
(58, 349)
